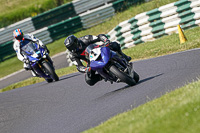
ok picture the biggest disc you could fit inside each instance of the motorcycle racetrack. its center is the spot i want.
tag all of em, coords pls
(71, 106)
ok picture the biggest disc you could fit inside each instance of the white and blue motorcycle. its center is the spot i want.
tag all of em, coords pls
(38, 60)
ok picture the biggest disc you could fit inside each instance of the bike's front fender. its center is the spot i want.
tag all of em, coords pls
(38, 68)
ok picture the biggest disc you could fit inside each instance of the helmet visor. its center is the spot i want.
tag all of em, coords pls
(19, 37)
(75, 46)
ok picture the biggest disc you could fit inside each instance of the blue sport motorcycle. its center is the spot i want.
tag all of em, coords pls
(39, 60)
(110, 65)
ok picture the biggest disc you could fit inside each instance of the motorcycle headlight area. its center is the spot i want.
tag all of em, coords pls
(35, 55)
(94, 54)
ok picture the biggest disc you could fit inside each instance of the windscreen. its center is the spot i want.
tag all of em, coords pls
(29, 48)
(89, 49)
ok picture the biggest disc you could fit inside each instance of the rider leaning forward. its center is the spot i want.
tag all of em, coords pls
(19, 43)
(77, 47)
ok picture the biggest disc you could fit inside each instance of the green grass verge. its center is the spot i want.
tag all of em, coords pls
(12, 11)
(175, 112)
(165, 45)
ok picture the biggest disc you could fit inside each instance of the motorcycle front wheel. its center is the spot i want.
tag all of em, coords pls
(122, 76)
(50, 70)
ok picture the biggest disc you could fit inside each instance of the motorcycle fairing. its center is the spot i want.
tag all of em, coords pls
(34, 53)
(105, 57)
(35, 66)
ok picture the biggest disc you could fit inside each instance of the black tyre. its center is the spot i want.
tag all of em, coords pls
(136, 77)
(122, 76)
(49, 80)
(50, 70)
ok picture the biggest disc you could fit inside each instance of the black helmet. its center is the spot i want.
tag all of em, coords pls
(72, 43)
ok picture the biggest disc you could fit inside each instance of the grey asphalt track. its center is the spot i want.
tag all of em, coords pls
(59, 62)
(71, 106)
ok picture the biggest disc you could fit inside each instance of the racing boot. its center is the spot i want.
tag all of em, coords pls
(34, 73)
(27, 66)
(128, 58)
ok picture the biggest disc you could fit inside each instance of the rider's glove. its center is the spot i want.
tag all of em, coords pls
(37, 41)
(107, 43)
(87, 69)
(47, 51)
(102, 37)
(26, 61)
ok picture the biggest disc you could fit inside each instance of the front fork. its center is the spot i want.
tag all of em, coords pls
(125, 67)
(38, 68)
(49, 59)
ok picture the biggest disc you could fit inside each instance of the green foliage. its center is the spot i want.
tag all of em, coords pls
(14, 10)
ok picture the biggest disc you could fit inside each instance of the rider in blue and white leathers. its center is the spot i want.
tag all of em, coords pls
(20, 37)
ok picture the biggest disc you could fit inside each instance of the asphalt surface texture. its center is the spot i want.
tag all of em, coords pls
(71, 106)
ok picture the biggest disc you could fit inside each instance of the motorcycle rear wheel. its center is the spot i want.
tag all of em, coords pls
(122, 76)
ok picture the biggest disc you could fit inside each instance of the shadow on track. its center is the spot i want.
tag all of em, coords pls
(70, 76)
(127, 86)
(149, 78)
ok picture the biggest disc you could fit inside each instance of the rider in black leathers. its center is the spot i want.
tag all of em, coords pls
(77, 47)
